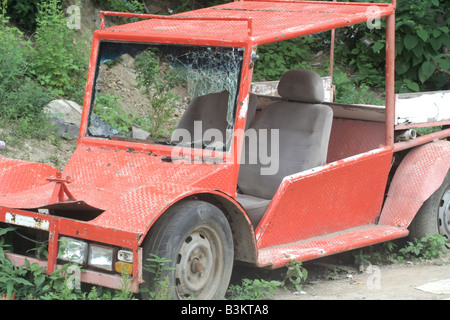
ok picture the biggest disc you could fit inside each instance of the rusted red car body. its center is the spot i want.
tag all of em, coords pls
(356, 199)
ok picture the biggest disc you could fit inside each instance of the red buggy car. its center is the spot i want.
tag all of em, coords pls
(235, 175)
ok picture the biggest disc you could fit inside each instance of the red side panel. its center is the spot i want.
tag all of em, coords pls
(351, 137)
(328, 244)
(418, 176)
(338, 196)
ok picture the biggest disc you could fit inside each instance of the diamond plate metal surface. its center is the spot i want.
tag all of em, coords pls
(351, 137)
(270, 20)
(328, 244)
(132, 188)
(341, 195)
(418, 176)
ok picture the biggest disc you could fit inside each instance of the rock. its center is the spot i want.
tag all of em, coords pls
(99, 128)
(139, 133)
(66, 115)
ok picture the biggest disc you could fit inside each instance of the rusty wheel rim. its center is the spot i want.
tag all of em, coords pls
(199, 262)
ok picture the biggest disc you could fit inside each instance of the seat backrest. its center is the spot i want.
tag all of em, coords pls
(304, 127)
(211, 110)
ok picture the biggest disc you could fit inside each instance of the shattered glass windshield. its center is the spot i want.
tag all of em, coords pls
(167, 94)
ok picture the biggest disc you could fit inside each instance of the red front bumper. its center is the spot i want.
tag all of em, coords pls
(58, 226)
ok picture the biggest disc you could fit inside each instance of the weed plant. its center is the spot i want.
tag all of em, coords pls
(59, 60)
(427, 248)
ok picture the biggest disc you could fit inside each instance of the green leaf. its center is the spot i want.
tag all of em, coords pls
(410, 41)
(9, 289)
(378, 46)
(444, 64)
(6, 230)
(23, 281)
(428, 68)
(423, 34)
(421, 75)
(418, 50)
(401, 67)
(446, 40)
(436, 43)
(411, 85)
(39, 280)
(436, 33)
(417, 60)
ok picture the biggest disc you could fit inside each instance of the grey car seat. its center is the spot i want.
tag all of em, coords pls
(211, 110)
(304, 126)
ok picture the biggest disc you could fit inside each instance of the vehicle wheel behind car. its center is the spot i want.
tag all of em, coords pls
(196, 238)
(434, 215)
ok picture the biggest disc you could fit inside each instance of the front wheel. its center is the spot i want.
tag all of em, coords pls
(434, 215)
(195, 237)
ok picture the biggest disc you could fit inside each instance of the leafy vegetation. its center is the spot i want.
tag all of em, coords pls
(23, 98)
(59, 60)
(23, 12)
(422, 34)
(295, 275)
(123, 6)
(158, 267)
(296, 54)
(422, 60)
(107, 107)
(253, 289)
(156, 80)
(428, 248)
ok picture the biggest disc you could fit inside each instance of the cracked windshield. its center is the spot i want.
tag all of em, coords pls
(166, 94)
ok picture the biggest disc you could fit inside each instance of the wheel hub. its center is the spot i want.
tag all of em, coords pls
(197, 266)
(194, 271)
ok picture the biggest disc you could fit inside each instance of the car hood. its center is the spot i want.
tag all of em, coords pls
(130, 188)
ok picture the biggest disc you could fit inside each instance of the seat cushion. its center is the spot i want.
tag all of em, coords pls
(208, 112)
(301, 85)
(211, 110)
(255, 207)
(302, 143)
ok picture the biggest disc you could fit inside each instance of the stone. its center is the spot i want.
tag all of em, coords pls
(66, 116)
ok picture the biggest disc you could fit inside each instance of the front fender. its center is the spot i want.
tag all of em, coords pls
(19, 177)
(418, 176)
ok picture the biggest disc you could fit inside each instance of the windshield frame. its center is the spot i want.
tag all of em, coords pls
(242, 92)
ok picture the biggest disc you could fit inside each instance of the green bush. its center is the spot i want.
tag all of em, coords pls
(277, 58)
(123, 6)
(23, 13)
(421, 63)
(427, 248)
(107, 108)
(59, 60)
(21, 96)
(156, 80)
(253, 289)
(422, 30)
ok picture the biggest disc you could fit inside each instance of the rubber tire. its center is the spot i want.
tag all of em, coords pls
(168, 239)
(427, 220)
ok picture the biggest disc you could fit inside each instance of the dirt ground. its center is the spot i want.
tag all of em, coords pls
(329, 279)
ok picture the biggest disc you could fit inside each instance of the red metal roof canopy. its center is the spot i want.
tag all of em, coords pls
(258, 21)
